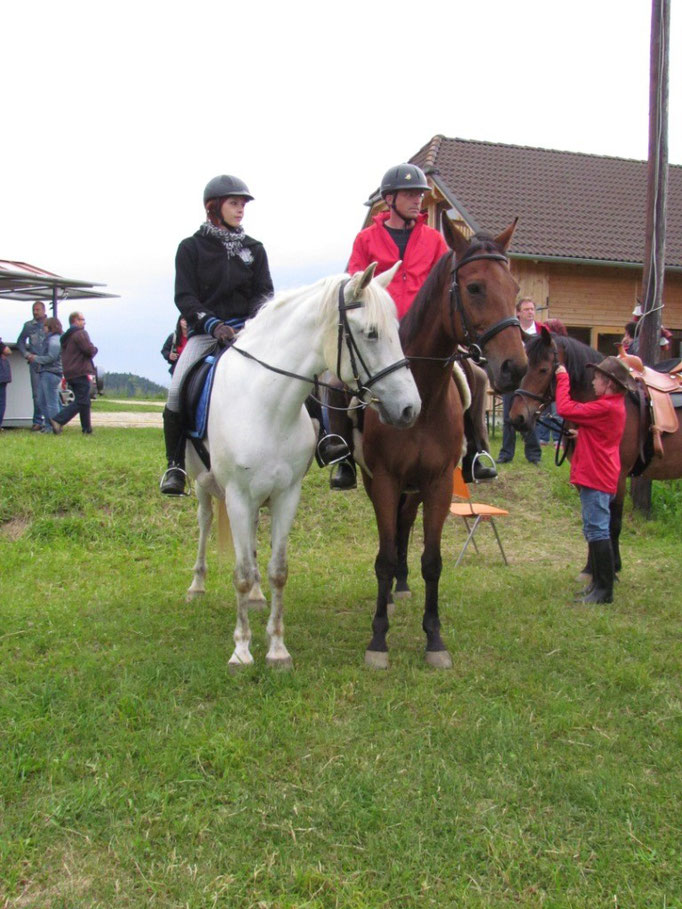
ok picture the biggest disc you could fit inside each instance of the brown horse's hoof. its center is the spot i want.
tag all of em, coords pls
(376, 659)
(439, 659)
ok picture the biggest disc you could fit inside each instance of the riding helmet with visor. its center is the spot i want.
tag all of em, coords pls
(226, 185)
(403, 176)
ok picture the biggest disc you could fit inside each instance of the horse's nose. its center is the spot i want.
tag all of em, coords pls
(409, 416)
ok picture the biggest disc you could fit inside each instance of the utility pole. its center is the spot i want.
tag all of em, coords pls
(657, 189)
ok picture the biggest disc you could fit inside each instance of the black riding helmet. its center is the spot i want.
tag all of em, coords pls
(403, 176)
(225, 185)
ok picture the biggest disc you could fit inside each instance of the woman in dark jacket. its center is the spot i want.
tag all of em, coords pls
(221, 278)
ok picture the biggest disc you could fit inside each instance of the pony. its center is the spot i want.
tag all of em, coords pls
(260, 438)
(545, 352)
(468, 299)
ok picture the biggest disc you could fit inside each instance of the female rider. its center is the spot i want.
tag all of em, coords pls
(221, 278)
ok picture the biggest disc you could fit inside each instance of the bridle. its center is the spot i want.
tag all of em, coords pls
(474, 342)
(544, 400)
(345, 336)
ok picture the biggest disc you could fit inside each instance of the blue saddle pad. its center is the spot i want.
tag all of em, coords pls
(197, 396)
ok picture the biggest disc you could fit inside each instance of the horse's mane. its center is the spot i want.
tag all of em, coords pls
(378, 307)
(576, 357)
(428, 295)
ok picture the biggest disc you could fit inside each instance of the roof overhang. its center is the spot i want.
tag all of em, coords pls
(21, 281)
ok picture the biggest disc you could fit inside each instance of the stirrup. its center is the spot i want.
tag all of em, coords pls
(338, 441)
(478, 460)
(185, 480)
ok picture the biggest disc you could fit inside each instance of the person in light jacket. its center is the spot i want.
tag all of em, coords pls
(49, 372)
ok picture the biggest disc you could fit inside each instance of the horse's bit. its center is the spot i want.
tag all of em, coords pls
(344, 335)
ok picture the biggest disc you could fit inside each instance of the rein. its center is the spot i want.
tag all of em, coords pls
(344, 335)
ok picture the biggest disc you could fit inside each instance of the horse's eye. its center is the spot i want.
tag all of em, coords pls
(372, 333)
(474, 289)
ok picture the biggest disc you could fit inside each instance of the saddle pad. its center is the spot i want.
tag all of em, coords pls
(197, 395)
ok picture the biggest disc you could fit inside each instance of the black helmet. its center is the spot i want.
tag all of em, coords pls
(225, 185)
(403, 176)
(614, 368)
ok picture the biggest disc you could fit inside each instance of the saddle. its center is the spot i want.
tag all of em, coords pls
(195, 396)
(663, 392)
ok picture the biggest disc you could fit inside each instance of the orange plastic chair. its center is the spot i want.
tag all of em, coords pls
(473, 512)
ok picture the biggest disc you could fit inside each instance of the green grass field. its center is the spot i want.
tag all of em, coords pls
(136, 771)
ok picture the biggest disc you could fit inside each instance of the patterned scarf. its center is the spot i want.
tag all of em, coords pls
(232, 240)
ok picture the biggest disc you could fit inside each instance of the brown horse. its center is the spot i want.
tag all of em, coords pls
(545, 352)
(468, 299)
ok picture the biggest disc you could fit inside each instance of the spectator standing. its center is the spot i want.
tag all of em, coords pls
(33, 340)
(5, 378)
(525, 310)
(550, 428)
(49, 372)
(77, 353)
(630, 342)
(175, 344)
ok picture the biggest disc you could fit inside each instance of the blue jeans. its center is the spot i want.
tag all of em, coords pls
(80, 385)
(49, 396)
(552, 425)
(596, 513)
(38, 416)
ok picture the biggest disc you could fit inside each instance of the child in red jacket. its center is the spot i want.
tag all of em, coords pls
(595, 468)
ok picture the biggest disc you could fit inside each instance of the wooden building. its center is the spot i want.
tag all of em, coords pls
(579, 244)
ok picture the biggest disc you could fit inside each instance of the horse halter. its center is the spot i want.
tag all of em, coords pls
(549, 394)
(346, 335)
(474, 342)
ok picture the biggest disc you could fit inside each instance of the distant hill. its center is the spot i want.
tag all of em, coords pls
(126, 385)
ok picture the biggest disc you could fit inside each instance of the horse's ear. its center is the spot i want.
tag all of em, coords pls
(359, 282)
(504, 239)
(455, 240)
(546, 335)
(385, 278)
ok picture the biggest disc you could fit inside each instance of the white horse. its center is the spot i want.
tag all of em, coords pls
(260, 437)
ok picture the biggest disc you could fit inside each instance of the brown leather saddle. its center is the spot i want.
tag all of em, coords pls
(662, 391)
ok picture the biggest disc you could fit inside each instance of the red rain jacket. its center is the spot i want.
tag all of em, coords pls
(596, 461)
(375, 244)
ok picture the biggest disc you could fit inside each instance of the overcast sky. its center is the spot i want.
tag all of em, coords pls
(115, 117)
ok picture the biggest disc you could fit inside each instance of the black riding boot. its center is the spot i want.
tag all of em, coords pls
(603, 576)
(331, 447)
(173, 480)
(344, 475)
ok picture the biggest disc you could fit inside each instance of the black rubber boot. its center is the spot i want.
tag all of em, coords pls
(603, 576)
(344, 475)
(173, 480)
(483, 465)
(590, 567)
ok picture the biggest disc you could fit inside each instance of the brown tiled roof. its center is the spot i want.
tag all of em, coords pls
(570, 205)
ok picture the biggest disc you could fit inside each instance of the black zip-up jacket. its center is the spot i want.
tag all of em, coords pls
(212, 288)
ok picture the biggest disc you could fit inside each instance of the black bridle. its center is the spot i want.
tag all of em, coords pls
(345, 335)
(474, 342)
(544, 400)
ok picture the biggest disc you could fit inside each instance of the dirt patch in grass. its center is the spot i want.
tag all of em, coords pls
(15, 529)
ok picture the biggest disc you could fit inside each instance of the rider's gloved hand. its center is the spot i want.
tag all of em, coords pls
(223, 333)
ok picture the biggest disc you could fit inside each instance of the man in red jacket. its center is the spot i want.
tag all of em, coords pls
(402, 233)
(77, 353)
(595, 467)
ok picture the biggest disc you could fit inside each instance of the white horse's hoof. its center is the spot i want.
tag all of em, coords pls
(256, 605)
(402, 594)
(236, 665)
(283, 663)
(193, 595)
(376, 659)
(439, 659)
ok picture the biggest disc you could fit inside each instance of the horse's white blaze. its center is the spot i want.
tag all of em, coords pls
(261, 438)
